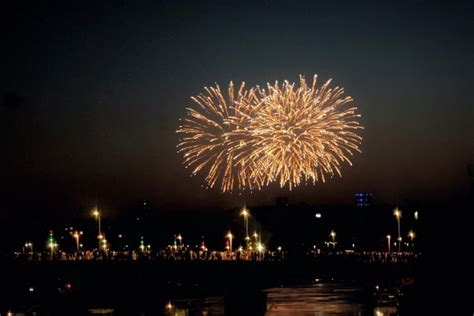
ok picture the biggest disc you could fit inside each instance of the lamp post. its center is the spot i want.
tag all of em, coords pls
(398, 214)
(142, 245)
(96, 214)
(230, 237)
(411, 235)
(333, 237)
(29, 247)
(388, 243)
(51, 244)
(77, 235)
(260, 248)
(104, 245)
(245, 213)
(257, 239)
(180, 239)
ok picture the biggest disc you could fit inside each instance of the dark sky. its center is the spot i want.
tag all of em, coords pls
(101, 88)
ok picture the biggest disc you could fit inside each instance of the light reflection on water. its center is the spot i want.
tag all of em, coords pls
(321, 299)
(101, 311)
(316, 300)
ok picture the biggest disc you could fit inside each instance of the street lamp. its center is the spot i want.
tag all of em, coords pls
(180, 239)
(333, 237)
(229, 236)
(398, 214)
(256, 236)
(96, 214)
(51, 244)
(104, 244)
(29, 247)
(411, 235)
(388, 242)
(245, 213)
(77, 235)
(142, 245)
(260, 248)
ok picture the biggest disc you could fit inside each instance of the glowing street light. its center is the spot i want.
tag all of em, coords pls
(169, 309)
(388, 243)
(411, 235)
(51, 244)
(256, 236)
(260, 249)
(96, 214)
(180, 239)
(77, 235)
(29, 247)
(245, 213)
(142, 245)
(230, 237)
(333, 237)
(104, 244)
(398, 214)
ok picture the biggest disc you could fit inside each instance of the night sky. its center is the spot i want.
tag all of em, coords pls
(92, 94)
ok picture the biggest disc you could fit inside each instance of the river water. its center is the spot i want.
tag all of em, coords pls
(317, 299)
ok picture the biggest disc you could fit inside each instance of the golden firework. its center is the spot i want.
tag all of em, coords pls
(285, 134)
(215, 137)
(303, 133)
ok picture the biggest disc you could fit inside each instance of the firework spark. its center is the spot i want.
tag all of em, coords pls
(302, 134)
(215, 138)
(283, 134)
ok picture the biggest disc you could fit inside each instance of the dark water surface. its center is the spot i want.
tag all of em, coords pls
(318, 299)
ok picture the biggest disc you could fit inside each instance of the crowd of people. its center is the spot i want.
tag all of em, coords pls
(183, 253)
(146, 253)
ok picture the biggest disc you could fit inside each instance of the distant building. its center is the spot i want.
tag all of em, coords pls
(363, 199)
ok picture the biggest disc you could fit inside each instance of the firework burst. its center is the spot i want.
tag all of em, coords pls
(284, 133)
(216, 137)
(304, 133)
